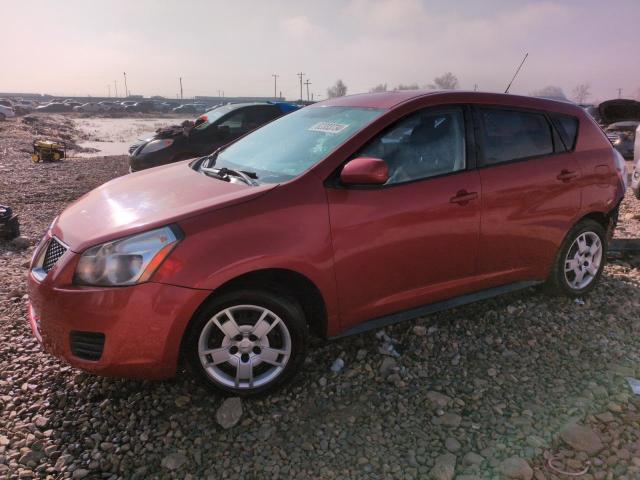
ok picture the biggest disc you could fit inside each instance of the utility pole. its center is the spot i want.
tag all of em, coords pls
(275, 85)
(115, 83)
(300, 75)
(181, 97)
(126, 90)
(475, 87)
(109, 89)
(307, 83)
(619, 93)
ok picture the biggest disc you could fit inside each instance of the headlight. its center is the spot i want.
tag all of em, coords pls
(126, 261)
(156, 145)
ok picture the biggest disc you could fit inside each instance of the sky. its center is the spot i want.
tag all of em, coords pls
(80, 47)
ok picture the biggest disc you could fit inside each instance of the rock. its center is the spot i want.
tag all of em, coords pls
(173, 461)
(471, 459)
(41, 422)
(362, 353)
(450, 420)
(516, 468)
(535, 441)
(182, 401)
(79, 473)
(31, 457)
(420, 331)
(229, 412)
(605, 417)
(581, 438)
(452, 444)
(444, 468)
(438, 399)
(388, 366)
(21, 243)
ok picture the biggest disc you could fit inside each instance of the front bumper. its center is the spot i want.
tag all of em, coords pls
(141, 325)
(142, 161)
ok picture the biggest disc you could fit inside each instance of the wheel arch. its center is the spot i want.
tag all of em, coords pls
(282, 281)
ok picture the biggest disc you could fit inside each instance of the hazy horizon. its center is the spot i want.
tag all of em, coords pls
(81, 48)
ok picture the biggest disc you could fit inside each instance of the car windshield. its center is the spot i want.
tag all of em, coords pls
(284, 148)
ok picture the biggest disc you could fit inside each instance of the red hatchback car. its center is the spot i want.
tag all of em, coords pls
(344, 216)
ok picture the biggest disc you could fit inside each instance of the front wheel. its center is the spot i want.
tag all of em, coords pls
(247, 342)
(580, 260)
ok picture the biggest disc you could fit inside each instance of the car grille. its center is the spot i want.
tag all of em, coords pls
(55, 250)
(87, 345)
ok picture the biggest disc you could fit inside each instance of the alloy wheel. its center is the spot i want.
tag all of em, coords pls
(244, 347)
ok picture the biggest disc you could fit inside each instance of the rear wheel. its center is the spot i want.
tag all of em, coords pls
(247, 342)
(580, 260)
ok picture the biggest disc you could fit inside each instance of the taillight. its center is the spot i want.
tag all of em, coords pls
(621, 169)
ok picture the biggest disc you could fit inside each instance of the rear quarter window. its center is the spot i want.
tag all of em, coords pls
(567, 126)
(511, 135)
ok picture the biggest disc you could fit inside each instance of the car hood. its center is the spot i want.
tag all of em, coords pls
(145, 200)
(619, 110)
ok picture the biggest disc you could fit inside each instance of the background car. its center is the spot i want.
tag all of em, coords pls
(23, 106)
(211, 130)
(142, 107)
(90, 107)
(6, 112)
(186, 108)
(635, 176)
(109, 106)
(623, 136)
(54, 107)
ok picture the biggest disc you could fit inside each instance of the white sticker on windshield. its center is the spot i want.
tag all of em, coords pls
(328, 127)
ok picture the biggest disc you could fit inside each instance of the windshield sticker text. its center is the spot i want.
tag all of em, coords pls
(328, 127)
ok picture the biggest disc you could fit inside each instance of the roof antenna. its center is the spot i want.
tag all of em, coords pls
(517, 71)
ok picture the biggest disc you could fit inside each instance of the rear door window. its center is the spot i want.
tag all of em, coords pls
(508, 135)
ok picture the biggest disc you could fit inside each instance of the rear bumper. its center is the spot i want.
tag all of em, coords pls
(142, 325)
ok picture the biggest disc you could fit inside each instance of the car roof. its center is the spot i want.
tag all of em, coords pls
(393, 99)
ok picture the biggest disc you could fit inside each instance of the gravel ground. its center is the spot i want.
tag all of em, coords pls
(491, 390)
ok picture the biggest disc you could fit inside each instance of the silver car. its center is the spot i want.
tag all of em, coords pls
(635, 177)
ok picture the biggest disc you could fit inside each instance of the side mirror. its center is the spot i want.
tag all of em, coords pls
(365, 171)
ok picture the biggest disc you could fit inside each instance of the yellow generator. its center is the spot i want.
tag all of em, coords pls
(48, 151)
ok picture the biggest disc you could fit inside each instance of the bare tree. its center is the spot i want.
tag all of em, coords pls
(581, 92)
(410, 86)
(550, 92)
(339, 89)
(447, 81)
(382, 87)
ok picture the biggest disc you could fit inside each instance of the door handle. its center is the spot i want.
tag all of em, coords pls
(566, 175)
(463, 197)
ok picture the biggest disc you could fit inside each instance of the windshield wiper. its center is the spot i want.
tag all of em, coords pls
(224, 173)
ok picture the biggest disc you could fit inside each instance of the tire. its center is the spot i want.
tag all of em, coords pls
(223, 351)
(583, 251)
